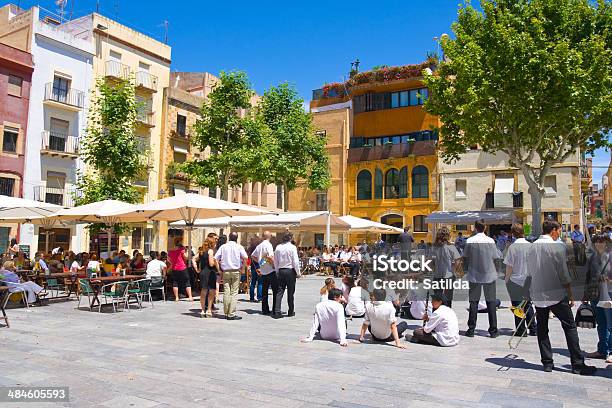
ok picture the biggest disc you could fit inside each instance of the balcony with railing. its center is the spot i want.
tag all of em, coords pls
(68, 98)
(58, 196)
(59, 144)
(146, 81)
(503, 200)
(117, 70)
(145, 118)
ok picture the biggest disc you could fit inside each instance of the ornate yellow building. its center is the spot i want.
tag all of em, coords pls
(388, 165)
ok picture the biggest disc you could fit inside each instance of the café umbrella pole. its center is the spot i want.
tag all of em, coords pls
(328, 230)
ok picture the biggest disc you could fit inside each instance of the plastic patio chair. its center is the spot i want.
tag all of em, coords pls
(117, 292)
(139, 289)
(158, 284)
(85, 289)
(53, 284)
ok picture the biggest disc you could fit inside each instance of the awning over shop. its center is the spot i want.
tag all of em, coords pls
(468, 217)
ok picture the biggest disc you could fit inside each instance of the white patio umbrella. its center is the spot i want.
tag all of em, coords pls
(185, 207)
(99, 211)
(362, 225)
(24, 211)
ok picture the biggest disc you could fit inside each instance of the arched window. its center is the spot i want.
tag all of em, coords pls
(420, 182)
(378, 184)
(392, 184)
(364, 185)
(403, 182)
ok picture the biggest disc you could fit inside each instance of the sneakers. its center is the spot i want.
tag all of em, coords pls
(584, 370)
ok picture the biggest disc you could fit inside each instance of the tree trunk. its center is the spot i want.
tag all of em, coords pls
(285, 197)
(536, 209)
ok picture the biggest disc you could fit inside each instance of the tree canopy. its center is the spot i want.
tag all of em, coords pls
(529, 78)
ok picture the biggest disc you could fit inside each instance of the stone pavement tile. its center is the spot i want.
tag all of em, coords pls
(129, 401)
(557, 390)
(511, 400)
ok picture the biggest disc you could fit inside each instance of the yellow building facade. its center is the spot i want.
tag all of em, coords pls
(385, 156)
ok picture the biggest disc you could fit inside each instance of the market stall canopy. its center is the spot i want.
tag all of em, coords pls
(468, 217)
(21, 210)
(294, 220)
(184, 207)
(362, 225)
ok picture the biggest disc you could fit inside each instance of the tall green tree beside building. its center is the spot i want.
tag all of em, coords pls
(529, 78)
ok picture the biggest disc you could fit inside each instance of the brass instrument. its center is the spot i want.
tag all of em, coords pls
(519, 311)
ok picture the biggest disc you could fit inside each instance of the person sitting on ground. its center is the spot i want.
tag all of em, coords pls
(357, 298)
(15, 284)
(329, 319)
(380, 320)
(441, 328)
(330, 284)
(348, 282)
(418, 304)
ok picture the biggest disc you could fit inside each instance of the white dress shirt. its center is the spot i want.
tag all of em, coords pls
(379, 316)
(263, 250)
(517, 258)
(286, 256)
(230, 256)
(443, 325)
(329, 315)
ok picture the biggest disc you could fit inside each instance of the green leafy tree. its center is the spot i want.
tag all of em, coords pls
(296, 152)
(529, 78)
(228, 128)
(109, 149)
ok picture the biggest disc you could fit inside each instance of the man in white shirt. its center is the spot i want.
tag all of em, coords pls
(156, 269)
(551, 291)
(232, 258)
(516, 262)
(381, 321)
(287, 265)
(481, 253)
(441, 328)
(329, 319)
(263, 255)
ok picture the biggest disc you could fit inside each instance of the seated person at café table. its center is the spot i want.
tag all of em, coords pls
(15, 284)
(329, 319)
(441, 328)
(380, 320)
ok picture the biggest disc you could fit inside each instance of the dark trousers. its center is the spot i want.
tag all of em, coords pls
(333, 266)
(517, 295)
(448, 293)
(401, 328)
(268, 281)
(564, 313)
(420, 336)
(286, 281)
(475, 292)
(604, 329)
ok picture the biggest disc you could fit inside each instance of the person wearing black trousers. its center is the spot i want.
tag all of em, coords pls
(287, 264)
(551, 291)
(263, 256)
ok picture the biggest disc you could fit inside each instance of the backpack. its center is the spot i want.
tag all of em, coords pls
(585, 317)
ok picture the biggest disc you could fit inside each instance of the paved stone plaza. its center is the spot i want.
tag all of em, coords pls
(169, 356)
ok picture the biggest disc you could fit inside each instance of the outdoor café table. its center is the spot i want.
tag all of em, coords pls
(97, 283)
(72, 286)
(4, 294)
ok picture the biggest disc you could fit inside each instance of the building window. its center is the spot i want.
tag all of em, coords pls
(7, 186)
(321, 133)
(392, 185)
(378, 184)
(319, 240)
(418, 221)
(148, 240)
(461, 188)
(551, 216)
(179, 157)
(550, 185)
(9, 141)
(61, 86)
(321, 201)
(420, 182)
(403, 182)
(14, 85)
(181, 124)
(136, 237)
(279, 196)
(413, 97)
(212, 192)
(364, 185)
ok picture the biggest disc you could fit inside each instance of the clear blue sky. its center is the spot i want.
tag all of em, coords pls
(304, 43)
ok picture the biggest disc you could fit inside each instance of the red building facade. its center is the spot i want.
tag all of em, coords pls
(15, 78)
